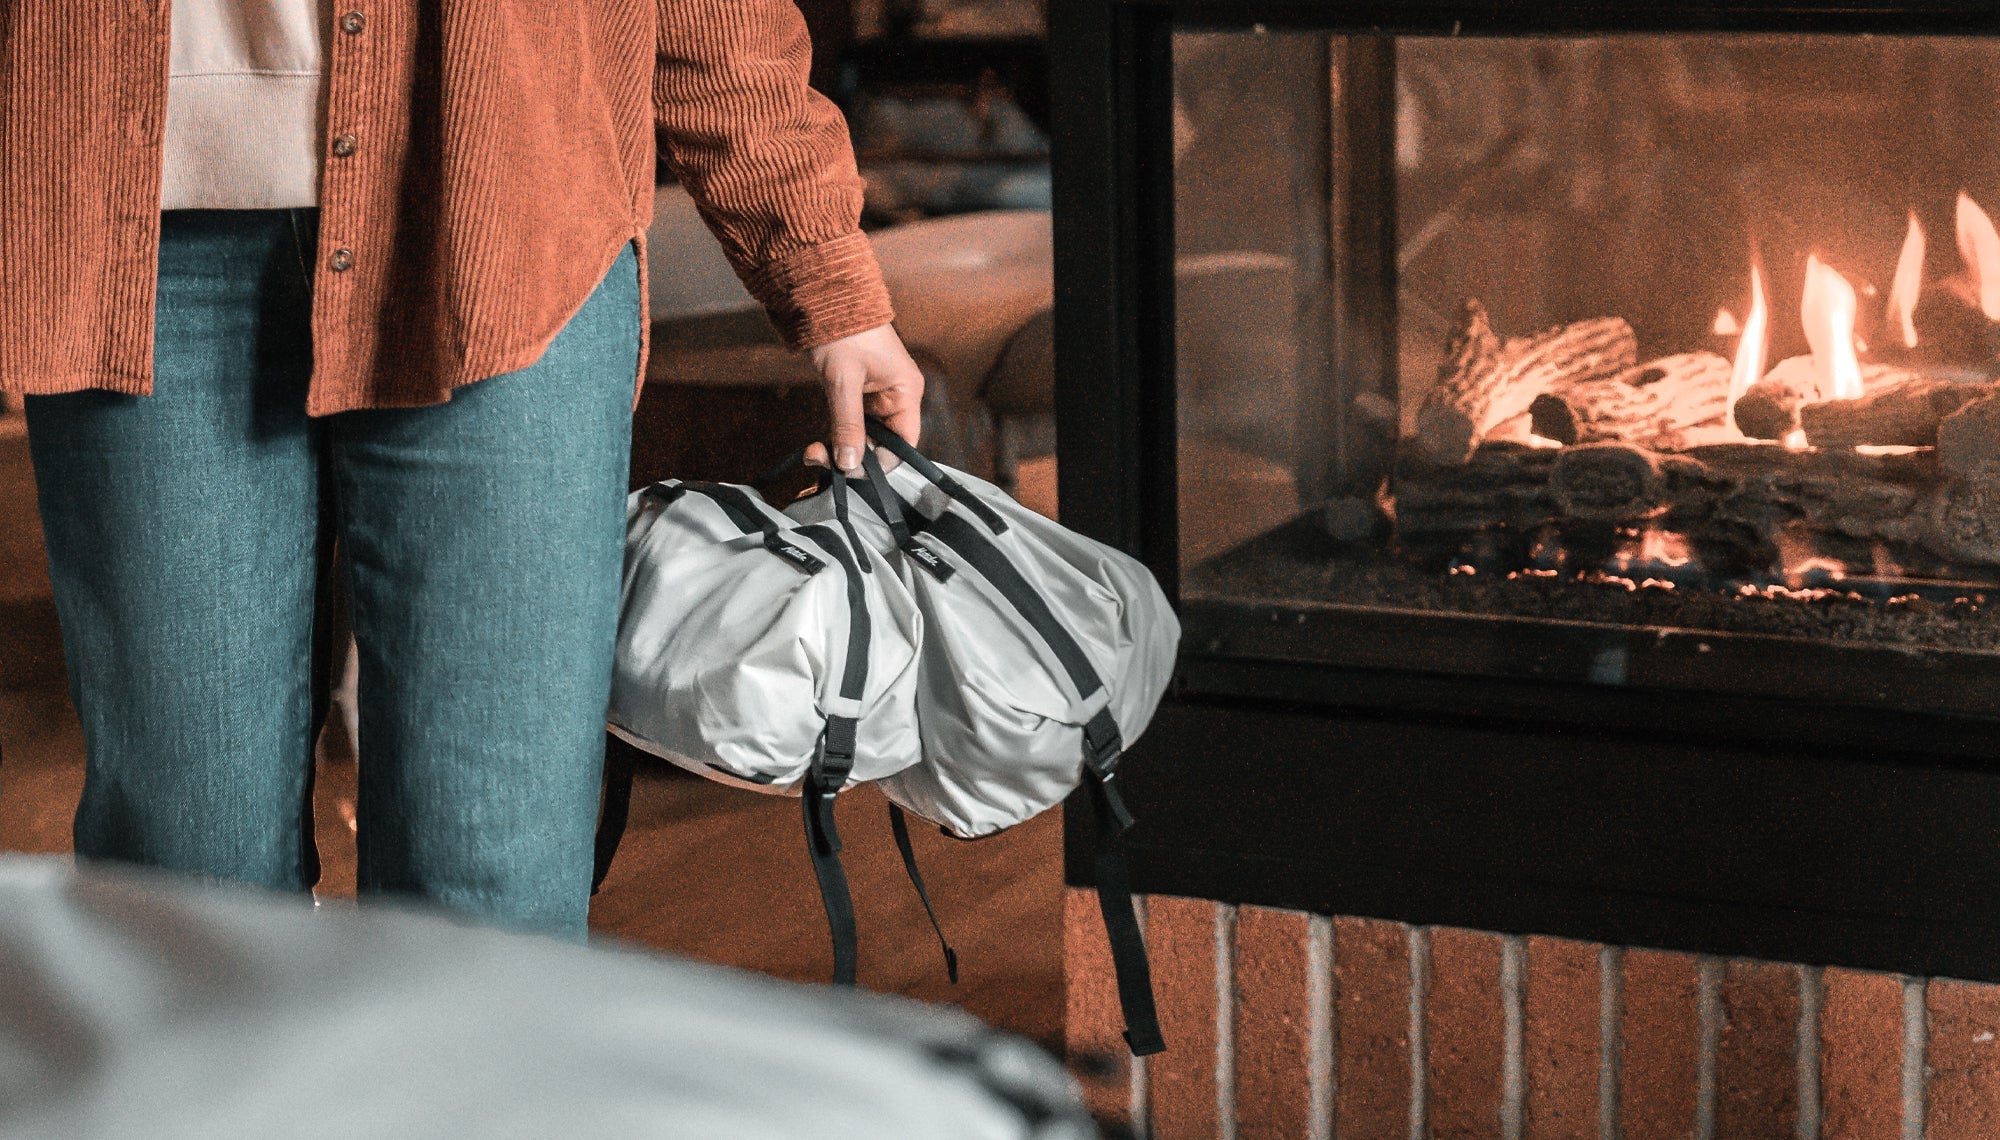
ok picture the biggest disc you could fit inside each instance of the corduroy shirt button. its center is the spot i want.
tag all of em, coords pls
(353, 22)
(341, 261)
(344, 146)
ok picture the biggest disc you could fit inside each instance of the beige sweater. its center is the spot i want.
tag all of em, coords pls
(244, 98)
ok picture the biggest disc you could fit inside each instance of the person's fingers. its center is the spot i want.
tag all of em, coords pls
(843, 402)
(815, 455)
(896, 397)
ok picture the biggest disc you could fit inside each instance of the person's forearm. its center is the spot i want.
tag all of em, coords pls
(768, 162)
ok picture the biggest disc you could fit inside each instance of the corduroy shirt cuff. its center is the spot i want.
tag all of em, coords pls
(823, 292)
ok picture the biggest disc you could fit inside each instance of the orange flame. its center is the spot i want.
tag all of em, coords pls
(1979, 246)
(1909, 282)
(1751, 346)
(1828, 311)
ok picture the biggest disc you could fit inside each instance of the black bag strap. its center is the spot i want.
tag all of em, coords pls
(899, 825)
(1103, 746)
(833, 762)
(1121, 921)
(886, 503)
(830, 767)
(942, 479)
(613, 812)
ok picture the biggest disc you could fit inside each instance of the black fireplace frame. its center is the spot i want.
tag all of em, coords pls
(1859, 828)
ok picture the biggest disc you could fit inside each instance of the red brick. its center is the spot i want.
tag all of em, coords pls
(1371, 965)
(1561, 1039)
(1756, 1055)
(1861, 1056)
(1659, 1041)
(1093, 1027)
(1273, 1025)
(1464, 1034)
(1180, 934)
(1963, 1052)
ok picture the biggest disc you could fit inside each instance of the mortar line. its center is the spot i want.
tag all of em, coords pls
(1420, 984)
(1610, 1038)
(1709, 1016)
(1812, 1003)
(1916, 1060)
(1225, 1022)
(1321, 1079)
(1513, 1056)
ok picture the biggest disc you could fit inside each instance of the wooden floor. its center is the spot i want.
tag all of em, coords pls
(706, 871)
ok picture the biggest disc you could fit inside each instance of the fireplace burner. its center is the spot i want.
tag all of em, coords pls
(1557, 423)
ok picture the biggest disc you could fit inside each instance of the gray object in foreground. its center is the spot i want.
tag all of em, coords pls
(136, 1004)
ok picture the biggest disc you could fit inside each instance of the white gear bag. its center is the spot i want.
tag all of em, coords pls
(1044, 653)
(764, 653)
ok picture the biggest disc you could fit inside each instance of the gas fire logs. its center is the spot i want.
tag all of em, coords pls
(1487, 381)
(1628, 445)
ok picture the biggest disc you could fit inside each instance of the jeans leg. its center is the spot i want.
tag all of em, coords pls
(484, 542)
(183, 541)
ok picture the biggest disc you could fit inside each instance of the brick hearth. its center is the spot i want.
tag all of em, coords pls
(1301, 1027)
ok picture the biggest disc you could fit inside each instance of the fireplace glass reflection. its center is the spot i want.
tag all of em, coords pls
(1691, 333)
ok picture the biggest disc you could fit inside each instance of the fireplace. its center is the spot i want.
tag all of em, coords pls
(1572, 436)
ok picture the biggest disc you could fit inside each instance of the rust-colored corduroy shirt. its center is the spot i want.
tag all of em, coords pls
(487, 161)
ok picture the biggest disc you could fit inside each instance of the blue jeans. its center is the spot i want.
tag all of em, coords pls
(188, 535)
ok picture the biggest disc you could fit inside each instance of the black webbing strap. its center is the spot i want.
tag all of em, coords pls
(899, 825)
(901, 449)
(1102, 747)
(823, 782)
(834, 760)
(1121, 921)
(615, 810)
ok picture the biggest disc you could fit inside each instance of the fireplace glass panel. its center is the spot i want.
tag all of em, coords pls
(1588, 341)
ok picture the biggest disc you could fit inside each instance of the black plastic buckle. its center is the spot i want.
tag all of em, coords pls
(1103, 745)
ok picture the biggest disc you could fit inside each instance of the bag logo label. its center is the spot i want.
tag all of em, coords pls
(928, 559)
(797, 554)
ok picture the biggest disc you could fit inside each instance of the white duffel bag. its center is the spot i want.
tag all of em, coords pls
(1044, 654)
(763, 653)
(748, 643)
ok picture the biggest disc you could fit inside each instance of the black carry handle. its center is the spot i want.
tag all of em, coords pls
(901, 449)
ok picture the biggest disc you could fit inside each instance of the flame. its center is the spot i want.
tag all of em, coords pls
(1751, 346)
(1909, 282)
(1979, 246)
(1725, 323)
(1828, 311)
(1795, 440)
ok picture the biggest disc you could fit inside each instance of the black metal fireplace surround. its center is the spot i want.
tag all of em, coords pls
(1835, 803)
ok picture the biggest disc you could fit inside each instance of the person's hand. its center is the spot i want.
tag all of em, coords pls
(869, 373)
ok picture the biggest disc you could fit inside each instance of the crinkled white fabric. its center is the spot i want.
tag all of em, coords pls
(730, 658)
(1001, 723)
(147, 1006)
